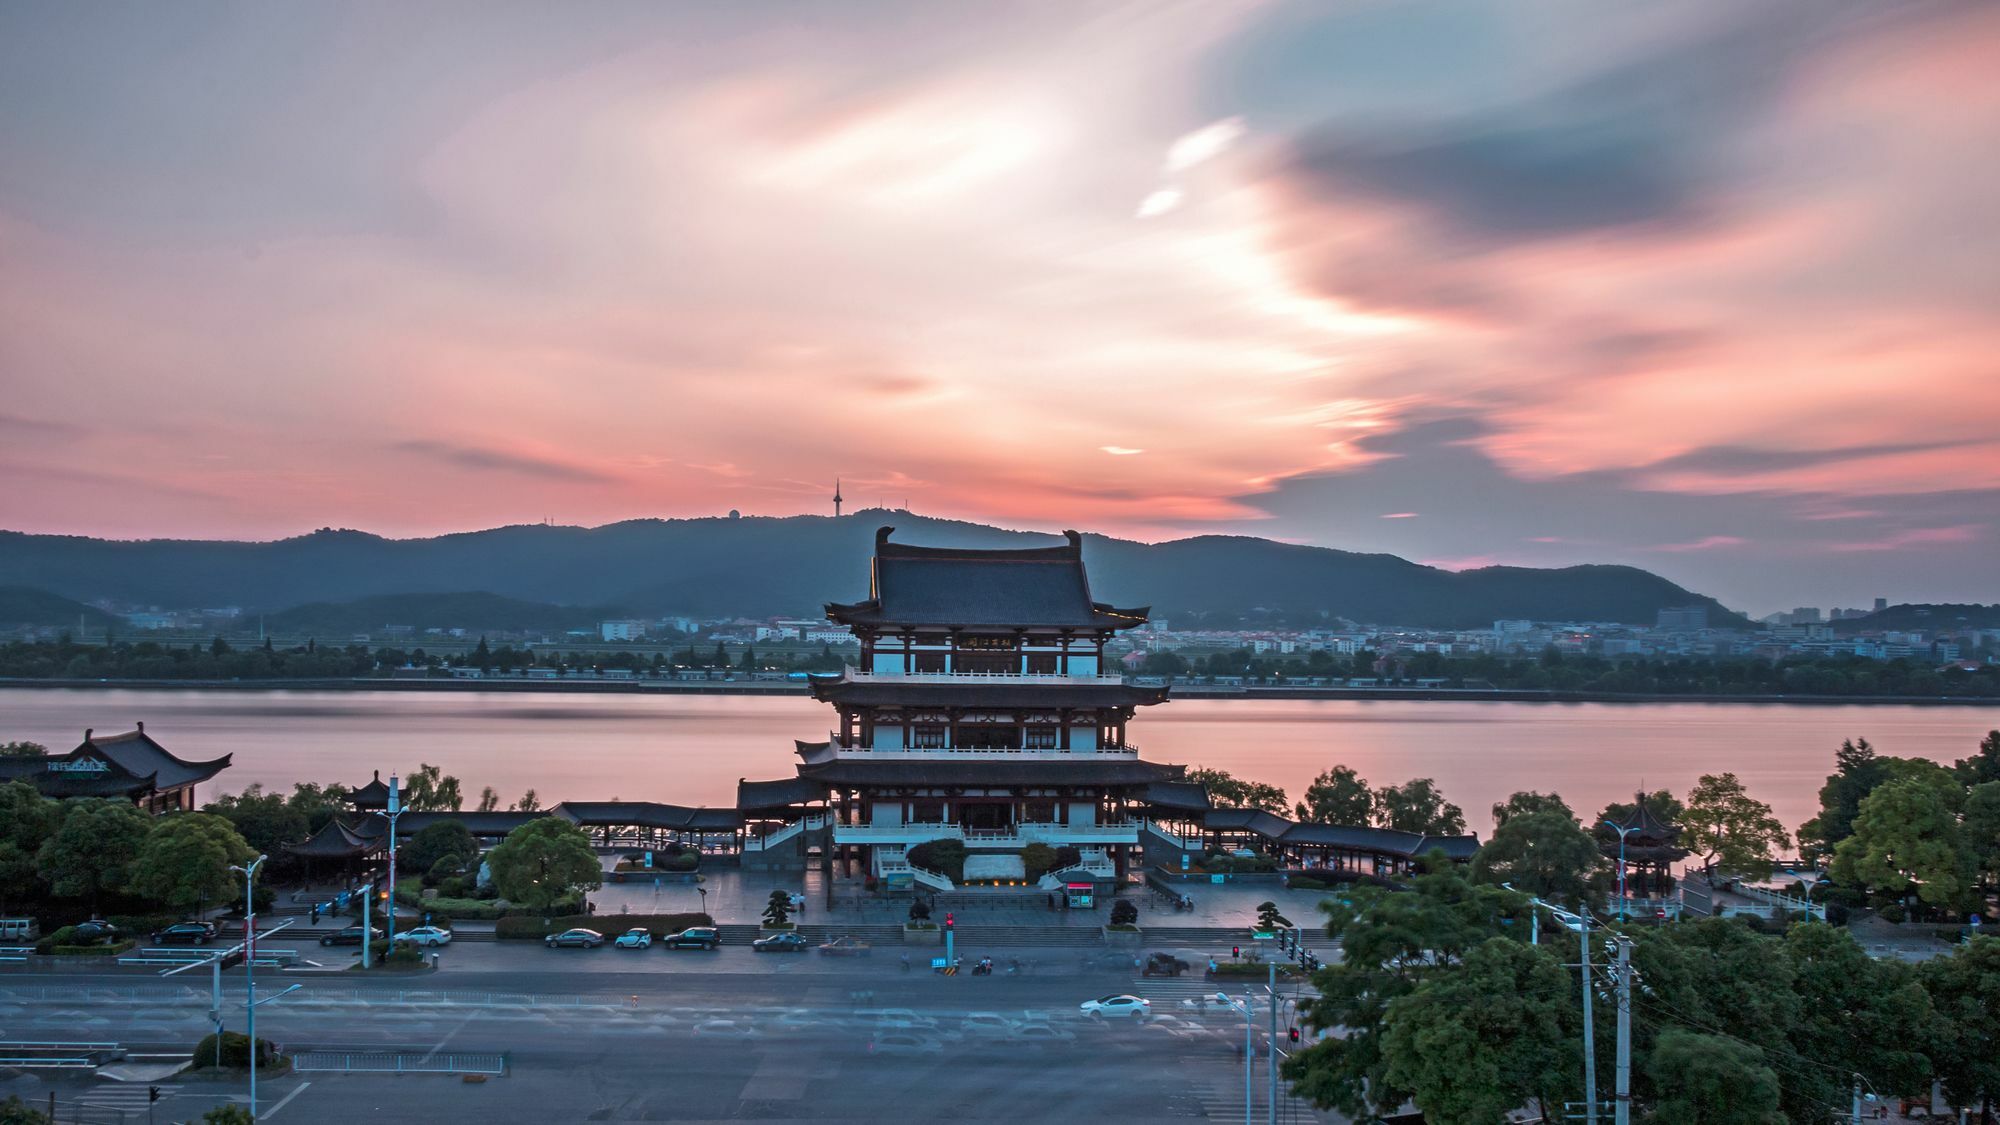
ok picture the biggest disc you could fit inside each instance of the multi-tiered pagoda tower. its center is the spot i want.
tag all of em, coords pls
(982, 711)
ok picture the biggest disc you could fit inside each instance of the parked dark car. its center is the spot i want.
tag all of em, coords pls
(780, 943)
(694, 937)
(574, 939)
(95, 930)
(350, 936)
(185, 933)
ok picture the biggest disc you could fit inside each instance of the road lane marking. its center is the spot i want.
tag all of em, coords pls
(284, 1101)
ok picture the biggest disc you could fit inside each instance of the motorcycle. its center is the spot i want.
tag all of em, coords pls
(983, 967)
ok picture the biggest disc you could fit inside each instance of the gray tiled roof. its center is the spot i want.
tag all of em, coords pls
(1353, 837)
(1039, 586)
(136, 753)
(647, 814)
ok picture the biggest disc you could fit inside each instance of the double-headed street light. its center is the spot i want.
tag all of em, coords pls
(1624, 902)
(250, 968)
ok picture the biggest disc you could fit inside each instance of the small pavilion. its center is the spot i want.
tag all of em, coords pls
(1652, 847)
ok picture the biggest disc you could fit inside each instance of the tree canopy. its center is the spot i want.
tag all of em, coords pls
(1417, 806)
(92, 848)
(184, 863)
(1546, 854)
(1730, 829)
(544, 861)
(1337, 796)
(1225, 790)
(1906, 837)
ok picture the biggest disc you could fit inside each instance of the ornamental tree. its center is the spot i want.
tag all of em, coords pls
(92, 849)
(185, 861)
(543, 862)
(264, 820)
(778, 909)
(446, 839)
(1521, 804)
(1731, 829)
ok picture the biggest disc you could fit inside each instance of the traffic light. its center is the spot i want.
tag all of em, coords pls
(1235, 952)
(1295, 1034)
(152, 1093)
(947, 920)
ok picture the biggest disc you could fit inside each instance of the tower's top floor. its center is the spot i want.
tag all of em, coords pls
(951, 588)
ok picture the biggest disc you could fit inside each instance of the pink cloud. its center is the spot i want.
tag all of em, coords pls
(1706, 543)
(1918, 537)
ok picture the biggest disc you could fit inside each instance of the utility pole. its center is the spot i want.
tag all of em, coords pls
(1856, 1108)
(1249, 1054)
(1271, 1116)
(395, 810)
(1589, 1036)
(1622, 1108)
(250, 968)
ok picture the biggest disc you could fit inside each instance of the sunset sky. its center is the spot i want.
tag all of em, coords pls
(1712, 289)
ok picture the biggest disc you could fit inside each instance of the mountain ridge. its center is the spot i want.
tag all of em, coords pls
(758, 566)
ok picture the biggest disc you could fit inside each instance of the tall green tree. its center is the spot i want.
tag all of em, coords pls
(1529, 801)
(1980, 831)
(1857, 771)
(1474, 1044)
(1857, 1015)
(1546, 854)
(184, 863)
(429, 789)
(1965, 990)
(1337, 796)
(1982, 767)
(1227, 791)
(1907, 838)
(1417, 806)
(266, 821)
(488, 799)
(1660, 802)
(1711, 1080)
(544, 861)
(319, 803)
(23, 750)
(1391, 941)
(92, 848)
(445, 838)
(26, 819)
(1730, 829)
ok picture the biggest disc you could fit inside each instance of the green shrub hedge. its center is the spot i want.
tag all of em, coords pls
(409, 893)
(529, 928)
(235, 1052)
(101, 949)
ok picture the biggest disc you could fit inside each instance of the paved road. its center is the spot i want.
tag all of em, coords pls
(586, 1039)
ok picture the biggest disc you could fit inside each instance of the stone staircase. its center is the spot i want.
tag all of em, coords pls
(1198, 937)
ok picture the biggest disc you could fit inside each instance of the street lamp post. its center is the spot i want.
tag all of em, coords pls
(250, 968)
(1246, 1006)
(1624, 901)
(395, 810)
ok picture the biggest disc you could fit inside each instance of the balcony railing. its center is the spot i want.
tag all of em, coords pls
(854, 673)
(1110, 832)
(952, 753)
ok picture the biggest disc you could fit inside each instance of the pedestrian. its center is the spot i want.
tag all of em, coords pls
(1212, 966)
(315, 914)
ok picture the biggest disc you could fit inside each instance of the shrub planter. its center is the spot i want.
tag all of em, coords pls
(927, 933)
(780, 928)
(1123, 936)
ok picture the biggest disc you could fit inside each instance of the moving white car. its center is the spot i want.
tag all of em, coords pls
(1121, 1006)
(426, 935)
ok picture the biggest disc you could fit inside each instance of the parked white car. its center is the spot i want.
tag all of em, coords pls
(426, 935)
(1117, 1007)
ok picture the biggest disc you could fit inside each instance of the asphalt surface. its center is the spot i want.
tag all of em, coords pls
(613, 1035)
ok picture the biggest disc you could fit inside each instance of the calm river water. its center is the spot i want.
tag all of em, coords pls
(691, 749)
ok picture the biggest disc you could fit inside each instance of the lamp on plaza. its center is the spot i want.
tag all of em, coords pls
(1245, 1006)
(250, 968)
(394, 810)
(1624, 902)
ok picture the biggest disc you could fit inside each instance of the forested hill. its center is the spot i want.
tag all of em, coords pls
(20, 605)
(442, 611)
(1924, 618)
(759, 567)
